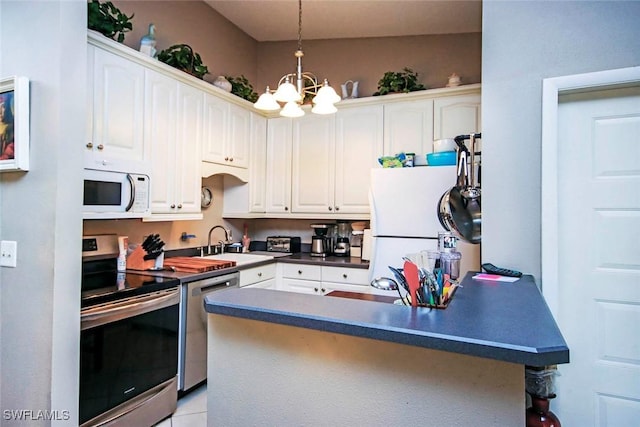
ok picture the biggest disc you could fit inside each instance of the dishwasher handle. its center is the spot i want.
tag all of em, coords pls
(217, 285)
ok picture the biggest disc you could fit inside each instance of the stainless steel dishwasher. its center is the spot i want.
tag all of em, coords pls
(193, 344)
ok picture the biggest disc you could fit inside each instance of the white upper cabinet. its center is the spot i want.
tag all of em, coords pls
(116, 98)
(456, 115)
(313, 164)
(173, 137)
(359, 143)
(227, 133)
(278, 182)
(258, 164)
(408, 127)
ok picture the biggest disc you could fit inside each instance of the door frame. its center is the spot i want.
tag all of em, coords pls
(551, 89)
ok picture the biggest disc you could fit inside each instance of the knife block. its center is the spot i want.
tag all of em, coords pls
(136, 261)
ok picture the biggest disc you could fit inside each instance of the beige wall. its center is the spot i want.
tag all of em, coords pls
(224, 48)
(366, 60)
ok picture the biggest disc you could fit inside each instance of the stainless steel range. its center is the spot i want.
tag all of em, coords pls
(128, 341)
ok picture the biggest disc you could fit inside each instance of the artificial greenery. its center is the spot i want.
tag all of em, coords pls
(241, 87)
(182, 57)
(403, 81)
(108, 20)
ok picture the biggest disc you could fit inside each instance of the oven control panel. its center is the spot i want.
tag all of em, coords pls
(99, 246)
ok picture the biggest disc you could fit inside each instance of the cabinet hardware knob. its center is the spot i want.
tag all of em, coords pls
(180, 206)
(315, 289)
(226, 159)
(89, 145)
(330, 208)
(173, 206)
(344, 276)
(231, 159)
(323, 290)
(259, 274)
(100, 147)
(286, 208)
(299, 271)
(337, 208)
(105, 163)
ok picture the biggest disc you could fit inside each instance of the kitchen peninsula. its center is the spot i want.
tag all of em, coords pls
(291, 359)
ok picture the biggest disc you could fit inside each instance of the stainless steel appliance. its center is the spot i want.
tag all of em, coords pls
(286, 244)
(323, 240)
(109, 195)
(342, 247)
(128, 341)
(193, 333)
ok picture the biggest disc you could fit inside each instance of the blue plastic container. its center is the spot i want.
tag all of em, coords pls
(443, 158)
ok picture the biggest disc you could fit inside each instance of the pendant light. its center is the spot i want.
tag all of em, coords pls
(292, 95)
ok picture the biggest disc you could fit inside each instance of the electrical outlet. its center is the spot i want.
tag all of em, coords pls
(8, 253)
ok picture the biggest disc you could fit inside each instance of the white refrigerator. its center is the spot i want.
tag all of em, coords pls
(404, 216)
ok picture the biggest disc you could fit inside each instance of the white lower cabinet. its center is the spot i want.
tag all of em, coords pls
(320, 280)
(263, 276)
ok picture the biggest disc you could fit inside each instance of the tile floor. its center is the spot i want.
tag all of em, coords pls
(191, 411)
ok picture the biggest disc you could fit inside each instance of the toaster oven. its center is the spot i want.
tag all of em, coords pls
(286, 244)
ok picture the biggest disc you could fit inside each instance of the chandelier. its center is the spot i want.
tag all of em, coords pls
(292, 95)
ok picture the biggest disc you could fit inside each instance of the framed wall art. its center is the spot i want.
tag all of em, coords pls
(14, 124)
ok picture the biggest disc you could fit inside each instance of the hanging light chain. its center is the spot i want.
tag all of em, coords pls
(299, 24)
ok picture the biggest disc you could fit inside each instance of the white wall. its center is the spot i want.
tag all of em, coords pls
(40, 209)
(523, 43)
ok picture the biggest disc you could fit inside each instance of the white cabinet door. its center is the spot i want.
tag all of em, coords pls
(117, 113)
(238, 137)
(359, 143)
(278, 182)
(188, 148)
(456, 115)
(302, 286)
(408, 127)
(227, 133)
(173, 134)
(215, 123)
(160, 131)
(258, 164)
(313, 164)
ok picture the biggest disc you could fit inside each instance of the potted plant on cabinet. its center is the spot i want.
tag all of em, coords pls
(108, 20)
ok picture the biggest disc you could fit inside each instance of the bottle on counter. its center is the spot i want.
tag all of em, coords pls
(123, 246)
(449, 256)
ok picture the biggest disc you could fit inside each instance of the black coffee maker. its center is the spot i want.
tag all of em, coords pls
(323, 239)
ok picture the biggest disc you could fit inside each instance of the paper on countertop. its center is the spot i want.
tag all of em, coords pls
(495, 277)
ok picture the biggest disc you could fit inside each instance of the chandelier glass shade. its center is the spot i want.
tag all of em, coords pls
(293, 88)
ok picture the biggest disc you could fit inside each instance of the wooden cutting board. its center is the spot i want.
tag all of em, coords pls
(196, 265)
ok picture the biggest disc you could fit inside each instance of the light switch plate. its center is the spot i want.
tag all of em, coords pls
(8, 253)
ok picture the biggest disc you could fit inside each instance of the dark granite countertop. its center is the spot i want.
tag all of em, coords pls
(331, 261)
(496, 320)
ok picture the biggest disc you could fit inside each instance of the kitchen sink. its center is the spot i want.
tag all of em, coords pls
(240, 259)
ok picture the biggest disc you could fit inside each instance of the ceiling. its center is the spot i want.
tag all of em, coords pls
(277, 20)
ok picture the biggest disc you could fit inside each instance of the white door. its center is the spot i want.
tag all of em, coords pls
(598, 290)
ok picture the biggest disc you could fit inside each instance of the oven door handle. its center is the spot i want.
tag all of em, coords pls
(111, 312)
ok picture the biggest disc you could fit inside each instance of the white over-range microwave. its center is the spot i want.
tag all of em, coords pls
(110, 195)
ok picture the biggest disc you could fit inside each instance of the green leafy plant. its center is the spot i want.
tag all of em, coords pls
(108, 20)
(241, 87)
(182, 57)
(399, 82)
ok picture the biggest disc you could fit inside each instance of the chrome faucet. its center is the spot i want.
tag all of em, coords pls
(227, 238)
